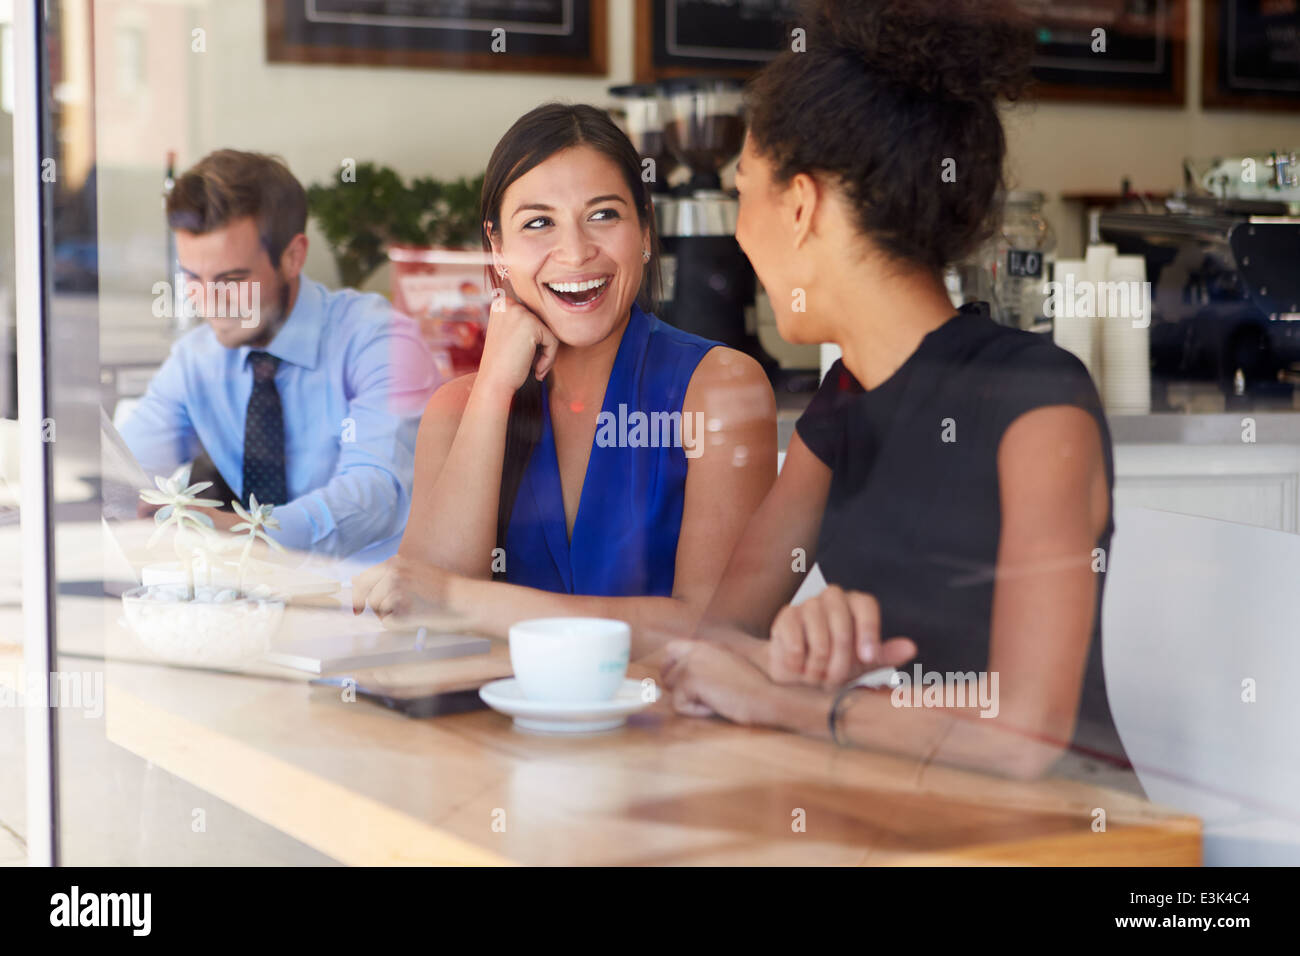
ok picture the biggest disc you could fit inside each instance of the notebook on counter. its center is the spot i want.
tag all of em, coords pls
(339, 653)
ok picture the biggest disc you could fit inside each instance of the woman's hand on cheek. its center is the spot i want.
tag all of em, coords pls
(831, 638)
(705, 679)
(517, 344)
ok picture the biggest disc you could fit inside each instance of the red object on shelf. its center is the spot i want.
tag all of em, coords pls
(446, 291)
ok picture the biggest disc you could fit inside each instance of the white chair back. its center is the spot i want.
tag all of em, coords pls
(1201, 657)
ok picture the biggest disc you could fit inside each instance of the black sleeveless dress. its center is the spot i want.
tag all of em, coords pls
(914, 513)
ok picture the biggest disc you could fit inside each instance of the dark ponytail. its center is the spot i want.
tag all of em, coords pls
(534, 138)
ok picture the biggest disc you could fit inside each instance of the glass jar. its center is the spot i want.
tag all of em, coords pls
(1020, 262)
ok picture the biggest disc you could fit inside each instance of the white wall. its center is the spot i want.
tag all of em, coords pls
(446, 122)
(442, 122)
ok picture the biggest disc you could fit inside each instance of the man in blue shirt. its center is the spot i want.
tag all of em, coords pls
(307, 398)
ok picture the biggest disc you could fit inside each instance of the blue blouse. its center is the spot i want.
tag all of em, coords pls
(630, 511)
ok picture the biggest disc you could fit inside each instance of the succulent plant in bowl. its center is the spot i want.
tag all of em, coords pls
(196, 623)
(177, 501)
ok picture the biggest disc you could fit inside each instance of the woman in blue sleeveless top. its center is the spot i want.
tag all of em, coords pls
(624, 540)
(600, 462)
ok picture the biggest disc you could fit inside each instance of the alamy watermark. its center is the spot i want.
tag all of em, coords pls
(131, 911)
(946, 689)
(637, 429)
(66, 690)
(1083, 298)
(221, 300)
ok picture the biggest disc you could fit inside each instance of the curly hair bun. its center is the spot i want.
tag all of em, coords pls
(962, 50)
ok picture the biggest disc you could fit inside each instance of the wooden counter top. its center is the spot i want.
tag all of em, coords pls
(368, 786)
(365, 785)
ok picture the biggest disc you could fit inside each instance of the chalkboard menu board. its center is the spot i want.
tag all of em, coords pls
(1252, 54)
(1110, 50)
(693, 37)
(560, 36)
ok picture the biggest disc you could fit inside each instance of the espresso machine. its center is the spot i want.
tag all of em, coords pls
(644, 116)
(707, 283)
(1224, 267)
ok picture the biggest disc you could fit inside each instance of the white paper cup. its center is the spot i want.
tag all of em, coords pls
(1097, 261)
(1072, 331)
(570, 659)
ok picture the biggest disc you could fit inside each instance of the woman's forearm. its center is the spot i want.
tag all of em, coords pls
(1003, 744)
(457, 524)
(491, 607)
(777, 548)
(747, 598)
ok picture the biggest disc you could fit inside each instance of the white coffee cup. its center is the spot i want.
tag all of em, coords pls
(570, 659)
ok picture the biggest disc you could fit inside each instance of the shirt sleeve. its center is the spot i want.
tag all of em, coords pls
(1047, 375)
(1041, 376)
(159, 431)
(368, 497)
(821, 426)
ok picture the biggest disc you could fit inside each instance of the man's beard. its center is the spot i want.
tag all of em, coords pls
(269, 325)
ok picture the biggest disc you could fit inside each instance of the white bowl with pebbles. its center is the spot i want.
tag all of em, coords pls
(219, 628)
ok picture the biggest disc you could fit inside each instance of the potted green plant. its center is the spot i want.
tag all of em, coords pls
(372, 209)
(454, 223)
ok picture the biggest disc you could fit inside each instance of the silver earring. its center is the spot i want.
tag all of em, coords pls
(503, 271)
(645, 255)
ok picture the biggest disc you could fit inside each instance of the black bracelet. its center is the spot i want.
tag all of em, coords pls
(833, 717)
(870, 679)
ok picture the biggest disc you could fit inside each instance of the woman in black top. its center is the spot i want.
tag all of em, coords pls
(952, 477)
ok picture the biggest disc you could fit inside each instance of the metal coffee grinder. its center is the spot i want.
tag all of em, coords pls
(707, 283)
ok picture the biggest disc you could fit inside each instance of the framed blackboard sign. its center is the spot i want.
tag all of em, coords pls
(1130, 51)
(714, 37)
(554, 36)
(1251, 54)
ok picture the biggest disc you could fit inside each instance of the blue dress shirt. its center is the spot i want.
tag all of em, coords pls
(353, 378)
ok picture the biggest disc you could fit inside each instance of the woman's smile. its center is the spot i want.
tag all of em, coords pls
(581, 294)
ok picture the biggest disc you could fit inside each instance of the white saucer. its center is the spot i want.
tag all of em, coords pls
(564, 717)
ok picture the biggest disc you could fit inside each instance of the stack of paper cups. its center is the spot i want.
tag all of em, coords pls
(1125, 301)
(1072, 327)
(1098, 258)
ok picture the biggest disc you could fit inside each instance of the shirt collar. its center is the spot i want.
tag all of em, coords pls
(298, 341)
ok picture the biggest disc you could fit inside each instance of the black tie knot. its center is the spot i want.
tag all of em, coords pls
(264, 366)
